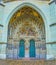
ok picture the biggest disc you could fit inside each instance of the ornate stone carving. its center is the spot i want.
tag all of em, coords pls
(27, 24)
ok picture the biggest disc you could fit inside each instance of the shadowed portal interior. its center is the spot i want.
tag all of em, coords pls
(26, 35)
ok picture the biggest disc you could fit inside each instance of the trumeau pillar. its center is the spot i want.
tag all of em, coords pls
(26, 48)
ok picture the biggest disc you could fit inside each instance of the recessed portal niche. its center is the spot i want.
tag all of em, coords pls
(26, 25)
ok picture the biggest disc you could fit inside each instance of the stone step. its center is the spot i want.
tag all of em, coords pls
(27, 62)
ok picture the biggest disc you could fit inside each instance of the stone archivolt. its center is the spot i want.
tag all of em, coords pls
(26, 24)
(28, 20)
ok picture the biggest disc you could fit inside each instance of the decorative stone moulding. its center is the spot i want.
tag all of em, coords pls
(21, 0)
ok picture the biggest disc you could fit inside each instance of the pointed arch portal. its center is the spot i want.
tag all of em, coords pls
(26, 24)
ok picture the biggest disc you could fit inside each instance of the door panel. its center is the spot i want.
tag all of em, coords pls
(21, 48)
(32, 48)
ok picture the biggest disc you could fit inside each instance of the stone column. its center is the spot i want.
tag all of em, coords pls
(27, 49)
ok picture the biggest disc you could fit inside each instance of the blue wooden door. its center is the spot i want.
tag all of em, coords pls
(32, 48)
(21, 48)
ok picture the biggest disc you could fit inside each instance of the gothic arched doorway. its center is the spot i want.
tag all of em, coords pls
(26, 24)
